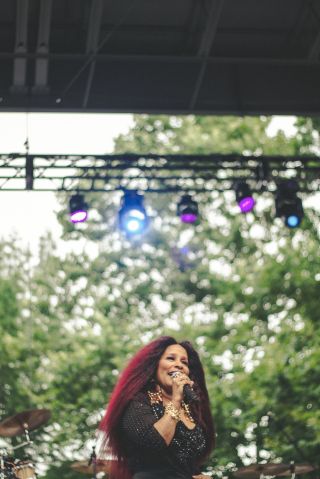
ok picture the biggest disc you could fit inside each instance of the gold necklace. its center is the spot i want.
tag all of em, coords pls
(157, 398)
(187, 410)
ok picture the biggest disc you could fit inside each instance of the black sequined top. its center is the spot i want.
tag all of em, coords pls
(146, 449)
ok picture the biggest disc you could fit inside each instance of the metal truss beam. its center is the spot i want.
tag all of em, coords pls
(155, 173)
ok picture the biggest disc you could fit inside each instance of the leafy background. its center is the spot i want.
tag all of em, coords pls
(243, 289)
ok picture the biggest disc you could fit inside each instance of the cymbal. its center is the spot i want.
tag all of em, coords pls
(30, 419)
(254, 471)
(297, 469)
(83, 467)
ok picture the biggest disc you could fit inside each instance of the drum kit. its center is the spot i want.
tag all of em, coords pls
(259, 471)
(92, 469)
(254, 471)
(94, 466)
(26, 421)
(21, 424)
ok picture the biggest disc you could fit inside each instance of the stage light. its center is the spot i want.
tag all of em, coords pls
(78, 209)
(187, 209)
(244, 197)
(133, 218)
(288, 204)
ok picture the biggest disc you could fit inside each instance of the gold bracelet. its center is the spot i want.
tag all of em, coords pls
(172, 411)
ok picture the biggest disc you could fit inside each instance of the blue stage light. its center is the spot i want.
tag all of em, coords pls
(133, 218)
(288, 204)
(292, 221)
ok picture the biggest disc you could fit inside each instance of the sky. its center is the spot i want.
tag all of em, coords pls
(27, 215)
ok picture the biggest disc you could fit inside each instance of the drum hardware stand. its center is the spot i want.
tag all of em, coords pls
(1, 464)
(28, 440)
(292, 470)
(260, 471)
(93, 461)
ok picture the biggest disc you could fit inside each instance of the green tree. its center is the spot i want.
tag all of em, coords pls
(243, 289)
(242, 279)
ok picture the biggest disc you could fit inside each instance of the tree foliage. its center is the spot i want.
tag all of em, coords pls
(242, 288)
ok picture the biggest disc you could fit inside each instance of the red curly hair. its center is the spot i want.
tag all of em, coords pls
(137, 377)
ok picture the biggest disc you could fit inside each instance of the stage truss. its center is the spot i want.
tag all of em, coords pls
(155, 173)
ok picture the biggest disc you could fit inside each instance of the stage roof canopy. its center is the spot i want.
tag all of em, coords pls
(160, 56)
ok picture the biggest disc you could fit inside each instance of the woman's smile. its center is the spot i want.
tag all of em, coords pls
(174, 359)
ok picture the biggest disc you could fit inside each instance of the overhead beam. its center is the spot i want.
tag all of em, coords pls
(92, 44)
(211, 28)
(206, 45)
(20, 63)
(41, 66)
(181, 59)
(314, 51)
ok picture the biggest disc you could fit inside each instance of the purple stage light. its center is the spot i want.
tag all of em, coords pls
(78, 216)
(187, 209)
(244, 197)
(188, 218)
(78, 209)
(246, 204)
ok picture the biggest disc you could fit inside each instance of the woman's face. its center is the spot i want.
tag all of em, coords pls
(174, 358)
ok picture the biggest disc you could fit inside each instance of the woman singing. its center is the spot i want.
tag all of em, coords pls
(150, 426)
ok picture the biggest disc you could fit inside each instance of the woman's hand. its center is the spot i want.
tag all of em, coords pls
(201, 476)
(179, 380)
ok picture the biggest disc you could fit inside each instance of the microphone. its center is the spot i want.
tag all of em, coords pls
(189, 395)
